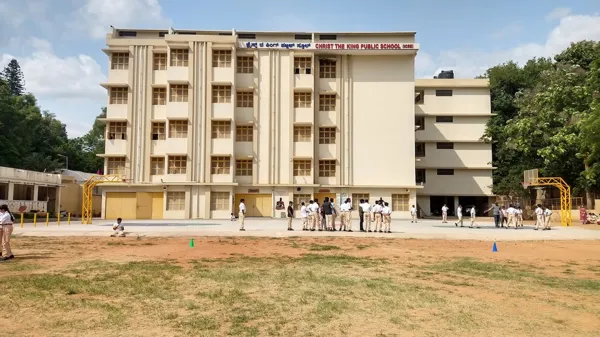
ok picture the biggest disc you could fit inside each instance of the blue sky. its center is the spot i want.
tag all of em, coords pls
(58, 42)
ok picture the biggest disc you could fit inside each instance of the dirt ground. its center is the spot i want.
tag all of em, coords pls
(299, 287)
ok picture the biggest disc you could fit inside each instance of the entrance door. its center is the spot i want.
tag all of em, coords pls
(157, 205)
(120, 205)
(257, 205)
(321, 197)
(144, 205)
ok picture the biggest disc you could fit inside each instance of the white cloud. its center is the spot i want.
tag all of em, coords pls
(558, 13)
(470, 63)
(97, 15)
(507, 31)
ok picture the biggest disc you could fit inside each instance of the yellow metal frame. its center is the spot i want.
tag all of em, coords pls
(88, 189)
(565, 196)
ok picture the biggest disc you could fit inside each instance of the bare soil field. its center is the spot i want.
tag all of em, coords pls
(249, 286)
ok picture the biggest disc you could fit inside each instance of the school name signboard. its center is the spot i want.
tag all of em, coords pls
(329, 46)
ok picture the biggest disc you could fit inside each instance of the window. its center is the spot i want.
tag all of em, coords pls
(179, 57)
(444, 92)
(160, 61)
(302, 167)
(245, 99)
(444, 119)
(159, 96)
(302, 65)
(220, 165)
(157, 166)
(400, 202)
(179, 93)
(299, 199)
(219, 201)
(419, 150)
(327, 135)
(115, 165)
(247, 36)
(175, 201)
(118, 95)
(327, 102)
(127, 33)
(244, 133)
(328, 37)
(178, 129)
(303, 37)
(117, 130)
(302, 99)
(419, 96)
(302, 133)
(221, 129)
(420, 176)
(326, 168)
(245, 64)
(356, 199)
(243, 167)
(162, 34)
(177, 164)
(119, 61)
(221, 94)
(23, 192)
(420, 122)
(445, 172)
(158, 131)
(221, 58)
(327, 68)
(445, 146)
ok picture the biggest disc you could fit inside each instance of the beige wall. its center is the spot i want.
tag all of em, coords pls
(464, 182)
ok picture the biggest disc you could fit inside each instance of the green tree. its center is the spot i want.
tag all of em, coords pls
(83, 151)
(13, 76)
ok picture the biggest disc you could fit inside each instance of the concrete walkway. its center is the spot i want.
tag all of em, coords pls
(424, 229)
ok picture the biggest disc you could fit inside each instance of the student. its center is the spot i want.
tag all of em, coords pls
(327, 213)
(6, 224)
(318, 215)
(539, 214)
(547, 216)
(444, 214)
(290, 215)
(366, 209)
(372, 215)
(344, 210)
(387, 218)
(377, 210)
(460, 216)
(496, 213)
(361, 215)
(519, 215)
(242, 214)
(503, 216)
(313, 215)
(413, 214)
(333, 215)
(118, 228)
(473, 216)
(510, 213)
(304, 216)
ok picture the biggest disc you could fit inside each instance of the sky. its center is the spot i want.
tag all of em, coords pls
(58, 42)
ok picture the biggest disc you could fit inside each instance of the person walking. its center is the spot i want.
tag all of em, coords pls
(547, 216)
(361, 215)
(6, 223)
(413, 214)
(242, 214)
(496, 212)
(290, 215)
(459, 215)
(473, 217)
(444, 214)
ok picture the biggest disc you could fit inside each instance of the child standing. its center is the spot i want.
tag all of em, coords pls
(473, 212)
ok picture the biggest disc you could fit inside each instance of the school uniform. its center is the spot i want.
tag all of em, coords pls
(547, 216)
(346, 221)
(242, 215)
(290, 216)
(304, 217)
(328, 213)
(444, 214)
(387, 219)
(519, 215)
(460, 217)
(361, 217)
(511, 212)
(539, 214)
(377, 210)
(6, 223)
(313, 216)
(473, 216)
(366, 209)
(413, 214)
(119, 229)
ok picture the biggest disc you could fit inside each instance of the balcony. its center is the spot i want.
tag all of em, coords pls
(244, 115)
(326, 118)
(303, 149)
(327, 151)
(159, 77)
(115, 146)
(159, 112)
(116, 111)
(176, 145)
(159, 147)
(222, 111)
(222, 146)
(223, 74)
(246, 81)
(304, 81)
(177, 110)
(244, 149)
(118, 76)
(304, 115)
(328, 84)
(178, 75)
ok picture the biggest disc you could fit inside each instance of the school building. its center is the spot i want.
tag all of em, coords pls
(197, 120)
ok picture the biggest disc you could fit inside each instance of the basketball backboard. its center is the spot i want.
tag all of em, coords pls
(529, 176)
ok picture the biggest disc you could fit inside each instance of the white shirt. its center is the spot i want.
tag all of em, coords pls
(547, 212)
(313, 208)
(386, 210)
(242, 208)
(413, 211)
(459, 211)
(303, 212)
(118, 226)
(5, 219)
(345, 207)
(511, 211)
(444, 209)
(472, 211)
(519, 211)
(365, 207)
(539, 211)
(377, 208)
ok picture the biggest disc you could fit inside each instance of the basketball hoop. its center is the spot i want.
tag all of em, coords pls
(525, 185)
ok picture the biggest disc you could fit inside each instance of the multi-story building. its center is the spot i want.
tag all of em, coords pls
(197, 120)
(453, 163)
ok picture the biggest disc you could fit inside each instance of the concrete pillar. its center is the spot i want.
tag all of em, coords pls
(11, 191)
(36, 190)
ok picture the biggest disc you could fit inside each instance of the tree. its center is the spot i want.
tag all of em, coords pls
(13, 76)
(83, 151)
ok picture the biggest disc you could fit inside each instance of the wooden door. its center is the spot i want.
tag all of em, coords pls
(120, 205)
(143, 209)
(157, 205)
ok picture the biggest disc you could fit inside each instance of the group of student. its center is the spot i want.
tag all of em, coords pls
(513, 215)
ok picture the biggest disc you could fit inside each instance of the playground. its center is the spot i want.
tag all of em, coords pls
(299, 286)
